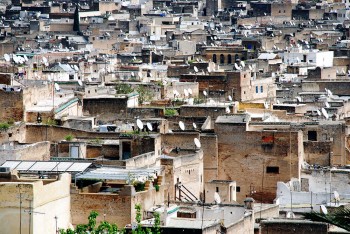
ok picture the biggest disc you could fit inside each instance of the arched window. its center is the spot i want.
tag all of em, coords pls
(222, 58)
(229, 59)
(214, 58)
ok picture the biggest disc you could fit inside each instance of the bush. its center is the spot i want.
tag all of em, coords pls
(69, 137)
(170, 112)
(4, 126)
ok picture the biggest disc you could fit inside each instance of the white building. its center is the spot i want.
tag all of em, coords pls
(313, 57)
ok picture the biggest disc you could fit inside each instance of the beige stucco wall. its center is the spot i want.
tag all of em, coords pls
(47, 201)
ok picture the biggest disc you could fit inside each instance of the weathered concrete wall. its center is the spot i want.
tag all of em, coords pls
(293, 226)
(119, 208)
(105, 109)
(37, 151)
(245, 157)
(209, 144)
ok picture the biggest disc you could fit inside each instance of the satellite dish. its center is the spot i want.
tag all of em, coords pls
(57, 87)
(26, 58)
(217, 198)
(76, 68)
(189, 91)
(327, 104)
(324, 209)
(324, 112)
(318, 112)
(237, 67)
(182, 125)
(132, 74)
(44, 60)
(205, 93)
(80, 83)
(230, 98)
(140, 74)
(170, 131)
(250, 67)
(227, 110)
(243, 64)
(195, 69)
(139, 124)
(149, 126)
(194, 125)
(266, 105)
(208, 69)
(336, 196)
(197, 142)
(186, 92)
(7, 57)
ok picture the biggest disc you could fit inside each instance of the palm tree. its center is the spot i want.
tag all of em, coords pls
(339, 218)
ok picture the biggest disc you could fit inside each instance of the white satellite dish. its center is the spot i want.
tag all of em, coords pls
(176, 93)
(298, 98)
(324, 112)
(80, 83)
(217, 198)
(324, 209)
(205, 93)
(194, 125)
(132, 74)
(182, 125)
(230, 98)
(170, 131)
(208, 69)
(318, 112)
(76, 68)
(189, 91)
(197, 142)
(44, 60)
(243, 64)
(195, 69)
(186, 92)
(336, 196)
(57, 87)
(140, 74)
(327, 104)
(250, 67)
(26, 58)
(149, 126)
(139, 124)
(237, 67)
(266, 105)
(227, 110)
(7, 57)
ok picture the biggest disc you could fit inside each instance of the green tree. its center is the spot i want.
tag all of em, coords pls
(339, 218)
(76, 23)
(144, 94)
(122, 88)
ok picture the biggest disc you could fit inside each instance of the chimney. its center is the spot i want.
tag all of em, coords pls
(249, 203)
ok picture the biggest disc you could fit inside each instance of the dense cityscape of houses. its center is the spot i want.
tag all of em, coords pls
(221, 116)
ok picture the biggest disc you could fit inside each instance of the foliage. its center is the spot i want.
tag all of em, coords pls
(156, 187)
(339, 218)
(122, 88)
(144, 94)
(76, 23)
(69, 137)
(170, 112)
(4, 126)
(96, 141)
(198, 100)
(50, 122)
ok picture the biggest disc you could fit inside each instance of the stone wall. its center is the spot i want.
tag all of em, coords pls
(11, 104)
(105, 109)
(293, 226)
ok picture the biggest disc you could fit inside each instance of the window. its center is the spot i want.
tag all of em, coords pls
(275, 170)
(214, 58)
(238, 189)
(217, 189)
(222, 58)
(256, 89)
(312, 135)
(261, 89)
(229, 59)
